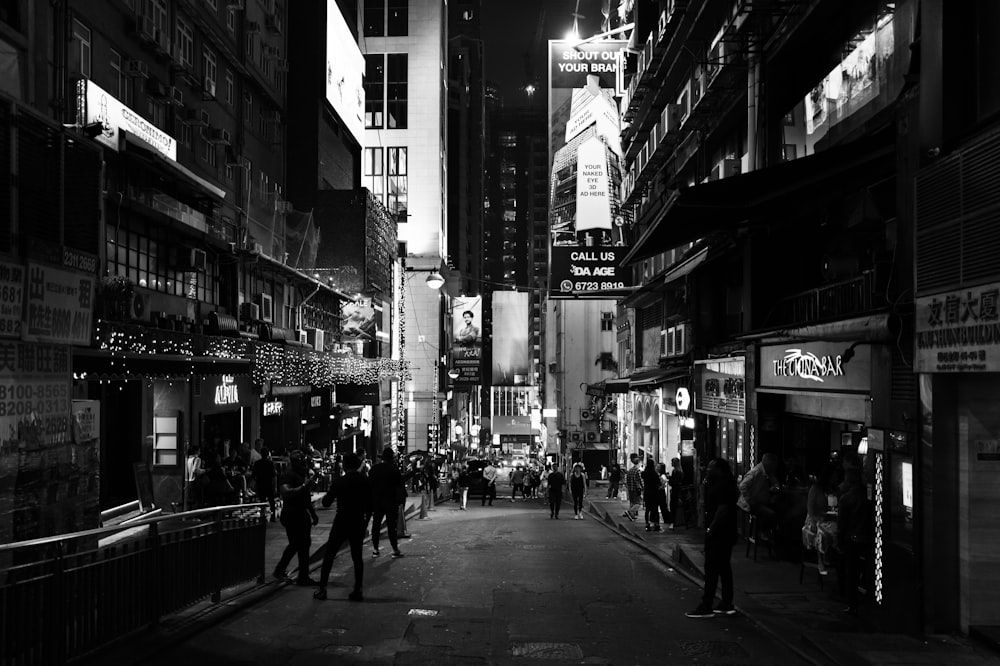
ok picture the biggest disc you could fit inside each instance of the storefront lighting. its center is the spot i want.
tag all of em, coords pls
(303, 422)
(688, 422)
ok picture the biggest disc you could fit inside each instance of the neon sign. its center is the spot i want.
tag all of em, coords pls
(227, 393)
(807, 365)
(274, 408)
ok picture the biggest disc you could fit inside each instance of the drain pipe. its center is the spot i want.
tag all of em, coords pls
(753, 92)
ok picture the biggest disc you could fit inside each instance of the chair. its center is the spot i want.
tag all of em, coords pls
(754, 537)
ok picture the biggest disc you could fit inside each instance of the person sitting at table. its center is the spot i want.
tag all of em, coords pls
(819, 531)
(757, 492)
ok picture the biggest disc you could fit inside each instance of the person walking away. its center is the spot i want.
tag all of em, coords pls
(265, 480)
(297, 516)
(517, 483)
(463, 486)
(388, 491)
(675, 481)
(650, 489)
(490, 474)
(633, 487)
(721, 495)
(556, 482)
(614, 479)
(661, 495)
(353, 493)
(577, 488)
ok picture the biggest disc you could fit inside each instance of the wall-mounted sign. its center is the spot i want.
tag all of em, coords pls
(959, 331)
(682, 398)
(316, 401)
(100, 106)
(227, 393)
(722, 386)
(816, 366)
(60, 305)
(274, 408)
(11, 299)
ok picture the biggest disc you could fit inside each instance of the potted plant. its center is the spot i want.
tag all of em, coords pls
(115, 293)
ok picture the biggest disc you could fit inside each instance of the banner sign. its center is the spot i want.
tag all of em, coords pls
(467, 340)
(510, 338)
(959, 331)
(59, 305)
(11, 299)
(586, 219)
(100, 106)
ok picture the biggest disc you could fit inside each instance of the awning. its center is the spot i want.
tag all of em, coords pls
(685, 267)
(137, 147)
(767, 194)
(869, 328)
(653, 378)
(616, 385)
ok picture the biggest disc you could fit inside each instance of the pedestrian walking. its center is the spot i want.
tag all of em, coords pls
(265, 480)
(721, 496)
(661, 495)
(674, 482)
(517, 483)
(353, 493)
(614, 479)
(388, 492)
(297, 516)
(578, 488)
(490, 474)
(556, 482)
(633, 487)
(463, 485)
(650, 490)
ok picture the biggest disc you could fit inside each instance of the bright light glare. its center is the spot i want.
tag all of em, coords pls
(572, 36)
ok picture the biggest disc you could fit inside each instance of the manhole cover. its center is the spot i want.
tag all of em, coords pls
(547, 650)
(713, 649)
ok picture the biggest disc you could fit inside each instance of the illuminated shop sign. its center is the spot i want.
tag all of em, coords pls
(959, 331)
(274, 408)
(316, 401)
(227, 393)
(722, 384)
(100, 106)
(813, 366)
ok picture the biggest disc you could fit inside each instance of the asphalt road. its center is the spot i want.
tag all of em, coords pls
(494, 585)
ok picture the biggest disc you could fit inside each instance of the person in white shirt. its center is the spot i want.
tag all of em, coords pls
(490, 474)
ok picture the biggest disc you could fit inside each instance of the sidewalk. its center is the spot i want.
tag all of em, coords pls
(802, 616)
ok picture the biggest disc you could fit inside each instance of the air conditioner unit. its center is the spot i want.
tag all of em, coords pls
(316, 337)
(684, 103)
(697, 86)
(303, 337)
(253, 27)
(249, 311)
(575, 436)
(194, 118)
(197, 259)
(145, 27)
(176, 96)
(730, 167)
(586, 415)
(139, 307)
(592, 436)
(233, 157)
(670, 119)
(138, 68)
(266, 306)
(217, 135)
(257, 247)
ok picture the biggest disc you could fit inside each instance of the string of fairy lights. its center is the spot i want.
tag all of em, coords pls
(131, 347)
(400, 393)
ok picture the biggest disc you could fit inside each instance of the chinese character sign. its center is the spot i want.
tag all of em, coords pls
(959, 331)
(59, 305)
(11, 299)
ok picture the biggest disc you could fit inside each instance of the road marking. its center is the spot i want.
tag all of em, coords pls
(422, 612)
(547, 650)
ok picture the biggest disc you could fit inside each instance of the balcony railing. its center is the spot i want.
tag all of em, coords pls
(847, 298)
(70, 595)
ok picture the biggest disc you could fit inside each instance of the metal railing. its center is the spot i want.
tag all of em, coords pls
(66, 596)
(841, 299)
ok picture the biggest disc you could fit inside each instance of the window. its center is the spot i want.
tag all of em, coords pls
(231, 20)
(262, 186)
(123, 87)
(209, 71)
(397, 186)
(184, 44)
(230, 173)
(374, 173)
(374, 18)
(397, 15)
(165, 440)
(157, 114)
(249, 46)
(396, 90)
(247, 108)
(187, 135)
(386, 18)
(374, 89)
(230, 88)
(156, 10)
(81, 48)
(607, 321)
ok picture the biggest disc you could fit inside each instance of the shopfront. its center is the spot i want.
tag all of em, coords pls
(721, 396)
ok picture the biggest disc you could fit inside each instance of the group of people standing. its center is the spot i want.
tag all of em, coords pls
(652, 488)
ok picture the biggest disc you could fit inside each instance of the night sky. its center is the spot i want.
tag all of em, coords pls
(509, 30)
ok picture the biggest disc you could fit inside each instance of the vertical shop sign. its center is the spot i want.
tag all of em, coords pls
(59, 305)
(11, 299)
(467, 340)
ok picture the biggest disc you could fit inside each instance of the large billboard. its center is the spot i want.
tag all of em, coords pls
(586, 219)
(345, 68)
(510, 338)
(467, 340)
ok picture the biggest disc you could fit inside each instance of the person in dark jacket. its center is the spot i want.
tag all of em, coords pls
(556, 482)
(721, 495)
(577, 488)
(388, 492)
(650, 490)
(853, 532)
(353, 493)
(297, 516)
(265, 480)
(675, 480)
(614, 480)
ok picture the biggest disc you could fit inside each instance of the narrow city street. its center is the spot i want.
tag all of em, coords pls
(490, 585)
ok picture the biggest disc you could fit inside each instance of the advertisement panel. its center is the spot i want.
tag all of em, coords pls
(345, 67)
(467, 340)
(510, 338)
(11, 299)
(59, 305)
(100, 106)
(360, 320)
(586, 219)
(959, 331)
